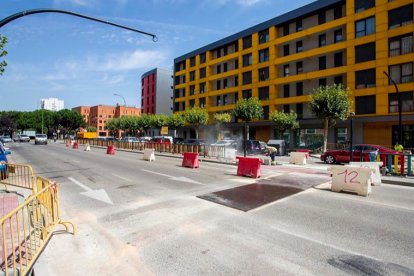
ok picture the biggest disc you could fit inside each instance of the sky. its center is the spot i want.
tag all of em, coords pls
(85, 63)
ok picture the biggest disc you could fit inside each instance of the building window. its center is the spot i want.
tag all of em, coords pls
(203, 58)
(406, 102)
(225, 99)
(299, 110)
(247, 77)
(247, 42)
(264, 93)
(401, 73)
(339, 80)
(218, 69)
(192, 103)
(362, 5)
(192, 90)
(400, 45)
(202, 87)
(286, 91)
(322, 40)
(247, 60)
(202, 73)
(263, 36)
(337, 12)
(365, 78)
(265, 112)
(286, 50)
(247, 94)
(285, 29)
(225, 67)
(192, 61)
(202, 102)
(225, 83)
(264, 74)
(299, 89)
(365, 52)
(338, 36)
(400, 17)
(263, 55)
(286, 108)
(299, 46)
(299, 25)
(322, 63)
(365, 104)
(192, 75)
(321, 17)
(365, 27)
(322, 82)
(286, 70)
(338, 59)
(218, 101)
(299, 67)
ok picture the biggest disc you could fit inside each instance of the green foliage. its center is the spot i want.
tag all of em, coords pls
(248, 109)
(284, 121)
(159, 120)
(3, 41)
(175, 121)
(196, 117)
(222, 118)
(113, 125)
(331, 103)
(91, 129)
(68, 120)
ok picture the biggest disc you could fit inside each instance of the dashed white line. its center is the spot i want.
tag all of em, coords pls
(123, 178)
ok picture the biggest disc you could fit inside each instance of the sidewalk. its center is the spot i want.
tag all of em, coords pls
(313, 163)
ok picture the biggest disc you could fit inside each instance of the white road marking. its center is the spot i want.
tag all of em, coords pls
(175, 178)
(99, 194)
(123, 178)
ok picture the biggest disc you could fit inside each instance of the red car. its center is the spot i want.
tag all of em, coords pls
(342, 156)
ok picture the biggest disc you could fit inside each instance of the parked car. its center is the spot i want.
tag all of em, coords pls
(3, 159)
(5, 139)
(130, 140)
(342, 156)
(22, 138)
(226, 143)
(178, 140)
(252, 147)
(41, 139)
(194, 142)
(160, 140)
(263, 146)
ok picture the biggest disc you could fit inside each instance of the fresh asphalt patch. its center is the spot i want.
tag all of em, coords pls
(264, 191)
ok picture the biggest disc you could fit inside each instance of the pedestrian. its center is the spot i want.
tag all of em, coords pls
(398, 147)
(271, 151)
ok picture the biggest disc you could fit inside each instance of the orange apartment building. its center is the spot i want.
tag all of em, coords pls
(98, 115)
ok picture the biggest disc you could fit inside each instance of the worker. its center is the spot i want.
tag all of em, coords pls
(272, 151)
(398, 147)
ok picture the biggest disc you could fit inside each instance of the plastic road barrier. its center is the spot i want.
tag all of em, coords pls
(67, 143)
(376, 175)
(149, 154)
(75, 145)
(190, 160)
(230, 154)
(304, 150)
(351, 179)
(87, 147)
(249, 166)
(298, 158)
(110, 150)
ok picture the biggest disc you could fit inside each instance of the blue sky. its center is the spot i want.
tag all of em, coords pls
(84, 62)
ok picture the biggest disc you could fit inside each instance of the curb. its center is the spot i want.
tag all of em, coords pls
(396, 182)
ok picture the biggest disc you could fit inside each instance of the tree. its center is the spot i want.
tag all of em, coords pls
(3, 41)
(159, 120)
(175, 121)
(91, 129)
(196, 117)
(283, 121)
(145, 122)
(247, 110)
(220, 118)
(330, 103)
(69, 120)
(113, 126)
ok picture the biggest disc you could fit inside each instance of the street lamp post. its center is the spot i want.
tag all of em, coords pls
(351, 137)
(115, 94)
(399, 108)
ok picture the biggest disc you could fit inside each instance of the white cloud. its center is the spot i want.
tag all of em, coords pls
(138, 59)
(248, 3)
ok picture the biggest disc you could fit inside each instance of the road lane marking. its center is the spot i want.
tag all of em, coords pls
(99, 194)
(123, 178)
(175, 178)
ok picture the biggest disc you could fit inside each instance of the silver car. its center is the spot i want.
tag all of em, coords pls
(41, 139)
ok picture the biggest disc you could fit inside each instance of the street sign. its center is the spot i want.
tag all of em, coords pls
(164, 130)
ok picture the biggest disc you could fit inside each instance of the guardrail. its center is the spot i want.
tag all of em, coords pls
(26, 230)
(18, 175)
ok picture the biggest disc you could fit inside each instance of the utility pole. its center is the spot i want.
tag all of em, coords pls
(399, 108)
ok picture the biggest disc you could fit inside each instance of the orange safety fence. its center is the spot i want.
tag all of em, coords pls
(26, 230)
(17, 175)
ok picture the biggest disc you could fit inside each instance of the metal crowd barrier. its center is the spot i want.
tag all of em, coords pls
(26, 230)
(18, 175)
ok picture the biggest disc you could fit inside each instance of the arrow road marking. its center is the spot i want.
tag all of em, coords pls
(100, 194)
(181, 178)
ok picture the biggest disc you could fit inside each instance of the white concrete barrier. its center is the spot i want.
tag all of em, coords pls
(149, 154)
(298, 158)
(351, 179)
(87, 147)
(376, 176)
(230, 154)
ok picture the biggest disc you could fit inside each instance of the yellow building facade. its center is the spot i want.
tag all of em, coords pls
(281, 61)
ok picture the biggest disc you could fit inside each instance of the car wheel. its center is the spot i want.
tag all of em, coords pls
(329, 159)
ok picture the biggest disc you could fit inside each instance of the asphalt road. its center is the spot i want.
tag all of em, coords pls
(140, 218)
